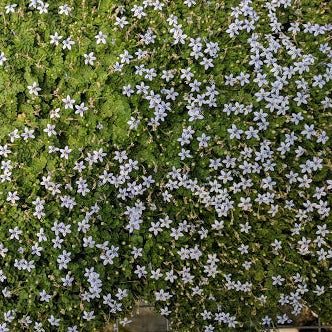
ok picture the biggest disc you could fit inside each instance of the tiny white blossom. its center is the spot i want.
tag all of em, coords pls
(2, 58)
(101, 38)
(89, 58)
(34, 89)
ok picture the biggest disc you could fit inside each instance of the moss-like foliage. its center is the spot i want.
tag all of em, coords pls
(172, 151)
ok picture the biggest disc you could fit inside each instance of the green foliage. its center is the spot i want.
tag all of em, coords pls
(104, 128)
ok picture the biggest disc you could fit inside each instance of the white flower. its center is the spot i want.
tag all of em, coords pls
(133, 123)
(27, 133)
(12, 197)
(4, 151)
(127, 90)
(125, 57)
(203, 140)
(2, 58)
(13, 135)
(125, 321)
(121, 22)
(34, 3)
(67, 43)
(320, 290)
(50, 130)
(88, 315)
(44, 296)
(55, 38)
(10, 8)
(140, 271)
(55, 113)
(65, 9)
(68, 102)
(277, 280)
(89, 58)
(234, 132)
(65, 152)
(67, 281)
(245, 203)
(162, 295)
(54, 321)
(101, 38)
(190, 3)
(34, 89)
(43, 7)
(80, 109)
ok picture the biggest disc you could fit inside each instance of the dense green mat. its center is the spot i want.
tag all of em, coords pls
(172, 151)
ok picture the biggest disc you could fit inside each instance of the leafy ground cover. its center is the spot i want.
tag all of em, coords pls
(176, 151)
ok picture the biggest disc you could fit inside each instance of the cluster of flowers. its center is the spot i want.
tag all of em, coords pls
(263, 159)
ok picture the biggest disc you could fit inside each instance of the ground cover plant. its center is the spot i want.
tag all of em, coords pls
(176, 151)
